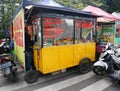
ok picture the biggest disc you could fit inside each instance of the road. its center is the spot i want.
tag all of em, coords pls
(71, 80)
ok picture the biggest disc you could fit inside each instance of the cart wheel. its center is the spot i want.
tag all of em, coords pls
(85, 65)
(31, 76)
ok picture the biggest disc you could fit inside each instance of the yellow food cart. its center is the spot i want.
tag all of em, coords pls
(63, 38)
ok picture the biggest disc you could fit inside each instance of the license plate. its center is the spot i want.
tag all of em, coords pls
(5, 65)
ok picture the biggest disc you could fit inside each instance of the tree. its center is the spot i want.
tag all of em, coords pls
(71, 3)
(111, 6)
(80, 4)
(8, 7)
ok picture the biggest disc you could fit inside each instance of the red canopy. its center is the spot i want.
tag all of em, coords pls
(105, 17)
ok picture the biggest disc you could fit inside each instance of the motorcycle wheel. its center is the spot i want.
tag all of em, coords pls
(99, 70)
(31, 76)
(85, 65)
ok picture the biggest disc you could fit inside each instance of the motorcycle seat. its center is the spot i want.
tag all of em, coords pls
(3, 55)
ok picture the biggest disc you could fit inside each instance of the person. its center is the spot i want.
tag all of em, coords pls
(28, 51)
(12, 44)
(7, 34)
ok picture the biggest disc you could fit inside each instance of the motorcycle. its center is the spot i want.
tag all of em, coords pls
(100, 67)
(7, 66)
(111, 70)
(108, 67)
(1, 47)
(4, 47)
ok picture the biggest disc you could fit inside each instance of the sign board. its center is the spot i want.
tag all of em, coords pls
(18, 36)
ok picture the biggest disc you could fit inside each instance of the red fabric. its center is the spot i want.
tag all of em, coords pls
(52, 32)
(49, 22)
(100, 49)
(2, 40)
(87, 25)
(84, 24)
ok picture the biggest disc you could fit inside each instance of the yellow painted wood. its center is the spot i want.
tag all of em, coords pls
(50, 59)
(54, 58)
(90, 50)
(79, 52)
(66, 56)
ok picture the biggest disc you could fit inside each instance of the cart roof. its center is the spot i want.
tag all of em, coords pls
(51, 5)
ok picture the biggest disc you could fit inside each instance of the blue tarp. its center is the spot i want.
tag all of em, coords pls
(50, 4)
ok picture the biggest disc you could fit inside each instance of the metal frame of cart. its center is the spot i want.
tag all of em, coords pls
(63, 38)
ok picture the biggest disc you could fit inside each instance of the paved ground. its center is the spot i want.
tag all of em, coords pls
(71, 80)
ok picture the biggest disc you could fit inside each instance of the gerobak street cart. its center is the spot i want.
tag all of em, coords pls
(63, 37)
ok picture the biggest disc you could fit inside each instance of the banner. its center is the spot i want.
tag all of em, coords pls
(18, 31)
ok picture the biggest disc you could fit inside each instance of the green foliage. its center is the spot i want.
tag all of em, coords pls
(2, 34)
(107, 5)
(9, 7)
(111, 6)
(71, 3)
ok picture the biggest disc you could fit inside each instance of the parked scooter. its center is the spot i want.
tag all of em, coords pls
(112, 72)
(4, 47)
(100, 67)
(7, 66)
(110, 66)
(1, 47)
